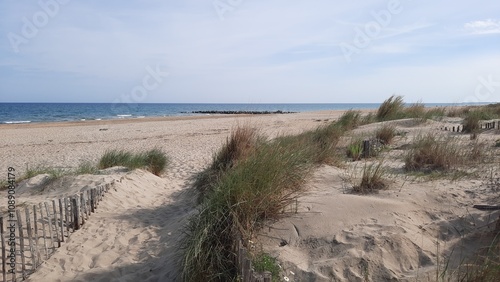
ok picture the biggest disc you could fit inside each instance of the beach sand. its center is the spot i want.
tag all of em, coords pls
(330, 234)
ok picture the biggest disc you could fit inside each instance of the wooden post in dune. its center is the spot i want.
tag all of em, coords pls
(366, 148)
(62, 219)
(44, 233)
(30, 238)
(87, 202)
(21, 242)
(75, 206)
(2, 244)
(67, 214)
(82, 208)
(92, 200)
(49, 220)
(56, 226)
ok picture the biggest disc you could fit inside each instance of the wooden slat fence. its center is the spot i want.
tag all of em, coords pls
(37, 231)
(485, 125)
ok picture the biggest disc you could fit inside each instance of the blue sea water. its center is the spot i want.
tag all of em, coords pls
(13, 113)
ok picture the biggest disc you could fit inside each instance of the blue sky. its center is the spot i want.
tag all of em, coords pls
(242, 51)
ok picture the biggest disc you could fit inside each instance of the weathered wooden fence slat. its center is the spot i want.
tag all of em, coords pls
(30, 239)
(61, 216)
(21, 242)
(35, 237)
(2, 239)
(44, 233)
(56, 232)
(49, 220)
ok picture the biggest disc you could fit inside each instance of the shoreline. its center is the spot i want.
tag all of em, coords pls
(43, 124)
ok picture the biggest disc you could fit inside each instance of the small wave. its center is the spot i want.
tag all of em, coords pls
(141, 116)
(123, 116)
(98, 119)
(17, 121)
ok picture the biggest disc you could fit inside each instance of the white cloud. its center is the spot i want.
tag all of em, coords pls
(488, 26)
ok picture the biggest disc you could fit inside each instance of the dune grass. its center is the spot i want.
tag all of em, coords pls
(86, 167)
(482, 266)
(385, 134)
(391, 109)
(372, 180)
(242, 142)
(394, 108)
(258, 188)
(54, 173)
(153, 160)
(430, 153)
(354, 149)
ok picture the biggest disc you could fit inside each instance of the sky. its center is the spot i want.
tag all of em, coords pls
(249, 51)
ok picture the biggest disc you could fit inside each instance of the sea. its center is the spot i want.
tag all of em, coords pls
(16, 113)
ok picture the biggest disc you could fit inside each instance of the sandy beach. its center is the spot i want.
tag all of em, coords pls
(399, 234)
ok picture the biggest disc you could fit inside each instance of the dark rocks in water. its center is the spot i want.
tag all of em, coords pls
(241, 112)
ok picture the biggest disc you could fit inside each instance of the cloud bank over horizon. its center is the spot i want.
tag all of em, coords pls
(240, 51)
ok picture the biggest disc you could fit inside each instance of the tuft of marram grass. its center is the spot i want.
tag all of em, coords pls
(372, 180)
(390, 109)
(429, 153)
(54, 173)
(242, 142)
(354, 149)
(86, 167)
(471, 122)
(386, 134)
(153, 160)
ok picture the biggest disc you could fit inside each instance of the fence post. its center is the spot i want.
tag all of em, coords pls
(82, 207)
(366, 148)
(44, 233)
(35, 223)
(21, 242)
(30, 238)
(62, 218)
(92, 200)
(4, 275)
(67, 214)
(76, 222)
(49, 220)
(56, 226)
(87, 203)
